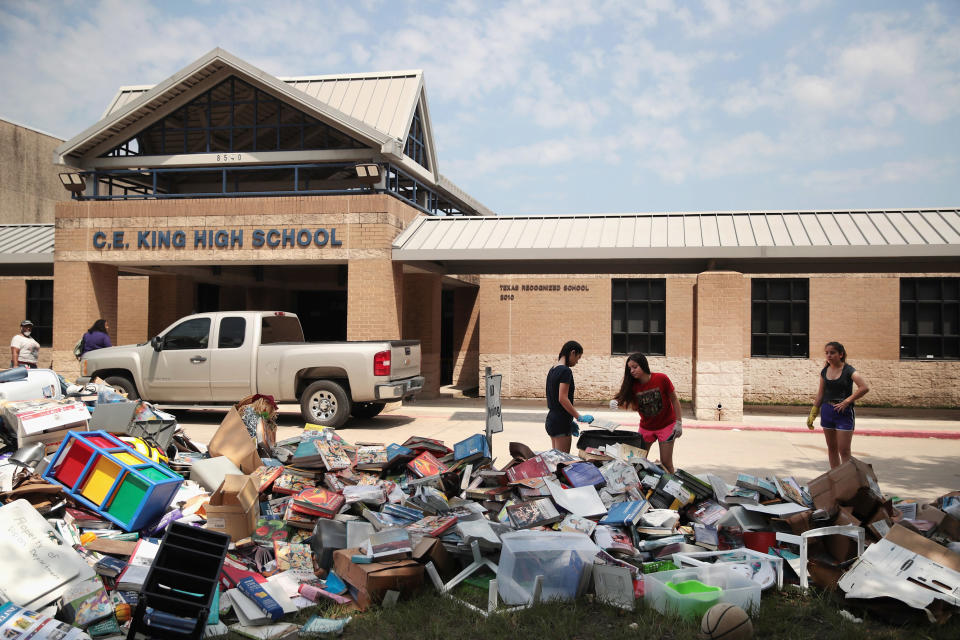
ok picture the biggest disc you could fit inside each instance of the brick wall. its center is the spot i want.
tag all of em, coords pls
(133, 310)
(82, 293)
(421, 321)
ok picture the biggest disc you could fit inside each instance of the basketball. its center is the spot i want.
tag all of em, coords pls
(727, 622)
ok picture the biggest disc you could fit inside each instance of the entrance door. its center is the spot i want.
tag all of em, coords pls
(181, 371)
(446, 336)
(323, 314)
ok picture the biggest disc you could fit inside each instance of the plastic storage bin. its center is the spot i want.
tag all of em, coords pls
(735, 589)
(104, 474)
(182, 584)
(560, 557)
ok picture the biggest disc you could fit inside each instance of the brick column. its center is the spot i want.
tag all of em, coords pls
(421, 321)
(374, 299)
(718, 345)
(82, 293)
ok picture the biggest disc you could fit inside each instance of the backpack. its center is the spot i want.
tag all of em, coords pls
(78, 348)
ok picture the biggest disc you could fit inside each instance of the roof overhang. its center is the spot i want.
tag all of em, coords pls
(921, 239)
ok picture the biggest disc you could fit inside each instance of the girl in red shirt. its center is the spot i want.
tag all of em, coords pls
(654, 398)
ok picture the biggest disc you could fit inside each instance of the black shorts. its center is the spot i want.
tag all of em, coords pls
(560, 425)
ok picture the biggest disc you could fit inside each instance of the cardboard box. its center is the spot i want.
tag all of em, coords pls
(908, 567)
(233, 507)
(840, 547)
(432, 550)
(44, 420)
(945, 523)
(853, 484)
(881, 522)
(370, 581)
(233, 441)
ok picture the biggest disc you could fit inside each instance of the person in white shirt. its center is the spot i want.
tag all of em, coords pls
(24, 350)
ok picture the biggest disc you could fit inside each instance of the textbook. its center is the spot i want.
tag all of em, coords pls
(767, 489)
(86, 601)
(625, 513)
(581, 474)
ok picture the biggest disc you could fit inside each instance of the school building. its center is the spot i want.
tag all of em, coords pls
(224, 187)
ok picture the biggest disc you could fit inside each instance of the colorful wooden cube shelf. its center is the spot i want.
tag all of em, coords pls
(104, 474)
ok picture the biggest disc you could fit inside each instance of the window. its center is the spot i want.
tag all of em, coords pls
(40, 310)
(415, 148)
(231, 333)
(930, 318)
(639, 311)
(276, 329)
(780, 318)
(192, 334)
(234, 116)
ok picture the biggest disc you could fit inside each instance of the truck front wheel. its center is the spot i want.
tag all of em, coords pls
(325, 403)
(125, 384)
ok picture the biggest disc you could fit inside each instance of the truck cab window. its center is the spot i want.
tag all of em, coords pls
(192, 334)
(231, 333)
(277, 329)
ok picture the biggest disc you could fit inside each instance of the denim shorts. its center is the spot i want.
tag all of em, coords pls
(830, 418)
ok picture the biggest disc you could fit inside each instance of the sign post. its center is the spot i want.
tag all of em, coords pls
(494, 418)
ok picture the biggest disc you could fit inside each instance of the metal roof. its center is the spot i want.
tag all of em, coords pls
(132, 105)
(933, 233)
(383, 101)
(26, 243)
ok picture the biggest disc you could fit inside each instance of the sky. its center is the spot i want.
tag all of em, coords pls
(570, 106)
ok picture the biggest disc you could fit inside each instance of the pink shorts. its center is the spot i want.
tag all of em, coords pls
(663, 435)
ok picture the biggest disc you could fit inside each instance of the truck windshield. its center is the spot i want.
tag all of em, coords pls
(280, 329)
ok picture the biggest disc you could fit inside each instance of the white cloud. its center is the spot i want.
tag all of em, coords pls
(917, 171)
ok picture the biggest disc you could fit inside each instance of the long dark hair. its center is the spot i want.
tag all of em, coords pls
(625, 397)
(99, 325)
(839, 348)
(570, 346)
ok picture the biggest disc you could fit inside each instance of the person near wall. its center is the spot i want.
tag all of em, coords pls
(834, 402)
(561, 413)
(24, 350)
(96, 337)
(655, 399)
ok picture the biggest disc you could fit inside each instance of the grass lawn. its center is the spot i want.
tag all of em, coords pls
(787, 614)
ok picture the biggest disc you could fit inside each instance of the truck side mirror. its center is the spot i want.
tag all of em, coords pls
(157, 343)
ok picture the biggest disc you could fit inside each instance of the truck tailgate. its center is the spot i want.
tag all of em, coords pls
(405, 359)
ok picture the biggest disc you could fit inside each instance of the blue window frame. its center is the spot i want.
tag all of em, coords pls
(415, 148)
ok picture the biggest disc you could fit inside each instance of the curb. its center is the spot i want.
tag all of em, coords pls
(940, 435)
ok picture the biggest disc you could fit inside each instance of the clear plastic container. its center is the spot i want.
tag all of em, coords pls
(559, 556)
(736, 589)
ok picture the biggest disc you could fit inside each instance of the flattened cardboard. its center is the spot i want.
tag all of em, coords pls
(908, 567)
(233, 507)
(372, 581)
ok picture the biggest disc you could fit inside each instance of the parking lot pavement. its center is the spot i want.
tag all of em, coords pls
(912, 456)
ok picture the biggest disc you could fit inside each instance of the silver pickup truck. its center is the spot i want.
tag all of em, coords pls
(220, 358)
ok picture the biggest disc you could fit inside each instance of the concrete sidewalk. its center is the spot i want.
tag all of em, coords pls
(917, 457)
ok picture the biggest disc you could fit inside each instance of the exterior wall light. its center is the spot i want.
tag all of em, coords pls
(73, 182)
(368, 173)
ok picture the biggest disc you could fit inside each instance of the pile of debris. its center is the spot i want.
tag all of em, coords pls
(114, 520)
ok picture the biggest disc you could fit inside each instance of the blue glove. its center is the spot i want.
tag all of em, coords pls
(586, 418)
(574, 429)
